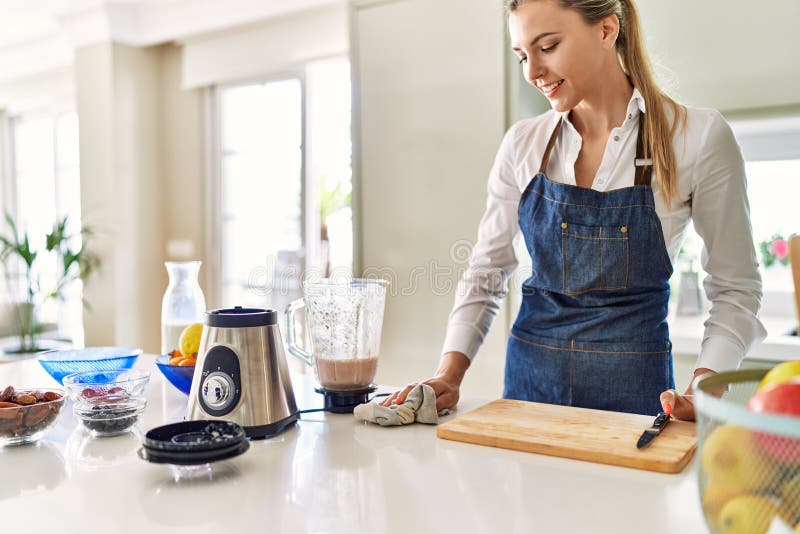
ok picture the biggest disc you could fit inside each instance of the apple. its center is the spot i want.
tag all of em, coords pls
(780, 373)
(780, 399)
(731, 458)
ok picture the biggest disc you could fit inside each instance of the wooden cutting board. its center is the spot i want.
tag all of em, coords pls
(578, 433)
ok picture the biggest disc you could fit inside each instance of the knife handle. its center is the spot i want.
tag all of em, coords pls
(661, 420)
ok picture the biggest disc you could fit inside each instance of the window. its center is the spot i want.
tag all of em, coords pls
(261, 190)
(45, 186)
(772, 152)
(284, 183)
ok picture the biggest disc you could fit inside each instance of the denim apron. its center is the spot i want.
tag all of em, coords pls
(592, 329)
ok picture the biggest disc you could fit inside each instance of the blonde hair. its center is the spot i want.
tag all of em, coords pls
(634, 61)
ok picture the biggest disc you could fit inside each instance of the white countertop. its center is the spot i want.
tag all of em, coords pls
(686, 334)
(328, 474)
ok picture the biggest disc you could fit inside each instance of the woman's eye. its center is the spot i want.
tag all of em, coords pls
(522, 60)
(549, 48)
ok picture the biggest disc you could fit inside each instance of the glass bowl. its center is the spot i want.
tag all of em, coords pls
(60, 363)
(749, 468)
(109, 415)
(118, 382)
(178, 376)
(27, 423)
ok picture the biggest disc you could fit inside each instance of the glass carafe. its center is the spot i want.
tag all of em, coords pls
(183, 302)
(344, 320)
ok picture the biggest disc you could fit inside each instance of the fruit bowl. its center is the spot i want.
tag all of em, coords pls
(179, 376)
(749, 461)
(29, 414)
(60, 363)
(95, 384)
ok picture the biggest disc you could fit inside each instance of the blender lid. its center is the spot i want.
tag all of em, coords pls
(238, 317)
(194, 442)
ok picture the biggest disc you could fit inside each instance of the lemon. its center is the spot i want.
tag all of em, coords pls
(190, 339)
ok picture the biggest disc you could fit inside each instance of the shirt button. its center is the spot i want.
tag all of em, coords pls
(616, 138)
(600, 180)
(630, 116)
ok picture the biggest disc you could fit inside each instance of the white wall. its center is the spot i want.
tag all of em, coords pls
(266, 49)
(118, 106)
(429, 95)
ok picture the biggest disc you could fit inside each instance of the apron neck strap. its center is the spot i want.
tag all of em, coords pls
(549, 147)
(643, 166)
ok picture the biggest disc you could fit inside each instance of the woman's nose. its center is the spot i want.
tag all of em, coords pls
(533, 71)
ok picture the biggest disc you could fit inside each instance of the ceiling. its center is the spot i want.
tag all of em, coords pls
(41, 35)
(26, 21)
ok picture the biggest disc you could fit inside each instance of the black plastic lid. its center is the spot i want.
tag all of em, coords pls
(190, 436)
(239, 317)
(194, 458)
(194, 442)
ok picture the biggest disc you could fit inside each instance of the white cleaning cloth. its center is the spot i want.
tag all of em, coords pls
(419, 406)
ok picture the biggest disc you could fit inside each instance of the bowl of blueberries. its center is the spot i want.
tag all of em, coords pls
(109, 415)
(109, 402)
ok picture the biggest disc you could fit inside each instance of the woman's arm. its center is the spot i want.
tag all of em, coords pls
(721, 215)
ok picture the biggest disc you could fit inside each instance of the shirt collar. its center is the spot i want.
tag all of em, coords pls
(635, 106)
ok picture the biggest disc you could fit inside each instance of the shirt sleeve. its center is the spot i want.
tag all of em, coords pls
(485, 282)
(721, 215)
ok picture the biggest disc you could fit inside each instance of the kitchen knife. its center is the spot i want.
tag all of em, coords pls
(662, 419)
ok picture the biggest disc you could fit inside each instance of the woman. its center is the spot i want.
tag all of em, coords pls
(602, 188)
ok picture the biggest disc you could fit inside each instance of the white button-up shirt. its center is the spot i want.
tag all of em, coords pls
(711, 191)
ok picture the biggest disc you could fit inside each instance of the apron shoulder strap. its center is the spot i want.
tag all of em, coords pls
(549, 148)
(643, 165)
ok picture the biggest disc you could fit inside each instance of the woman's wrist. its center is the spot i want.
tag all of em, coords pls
(697, 372)
(453, 366)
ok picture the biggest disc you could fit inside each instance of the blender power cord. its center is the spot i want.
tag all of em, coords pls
(324, 410)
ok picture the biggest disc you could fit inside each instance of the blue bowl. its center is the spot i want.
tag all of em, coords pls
(60, 363)
(180, 377)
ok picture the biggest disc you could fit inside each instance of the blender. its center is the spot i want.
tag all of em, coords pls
(343, 320)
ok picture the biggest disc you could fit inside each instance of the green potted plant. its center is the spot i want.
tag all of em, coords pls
(21, 261)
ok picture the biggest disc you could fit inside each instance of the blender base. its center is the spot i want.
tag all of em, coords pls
(345, 401)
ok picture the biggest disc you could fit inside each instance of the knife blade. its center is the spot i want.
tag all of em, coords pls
(661, 421)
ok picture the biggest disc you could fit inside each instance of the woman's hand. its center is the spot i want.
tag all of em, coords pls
(445, 383)
(683, 405)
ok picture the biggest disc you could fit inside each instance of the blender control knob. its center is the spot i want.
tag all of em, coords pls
(216, 391)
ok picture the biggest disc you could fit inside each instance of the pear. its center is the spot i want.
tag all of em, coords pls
(790, 499)
(731, 458)
(783, 372)
(748, 514)
(715, 496)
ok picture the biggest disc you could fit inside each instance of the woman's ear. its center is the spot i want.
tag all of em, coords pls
(609, 26)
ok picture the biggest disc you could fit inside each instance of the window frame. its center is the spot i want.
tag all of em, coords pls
(214, 152)
(51, 112)
(770, 138)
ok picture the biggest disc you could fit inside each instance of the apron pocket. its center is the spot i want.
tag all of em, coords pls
(595, 258)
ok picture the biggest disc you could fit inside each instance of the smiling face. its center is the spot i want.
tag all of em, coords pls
(561, 55)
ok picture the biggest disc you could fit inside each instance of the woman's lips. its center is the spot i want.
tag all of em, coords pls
(551, 92)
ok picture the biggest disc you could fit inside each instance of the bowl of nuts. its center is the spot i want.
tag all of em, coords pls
(27, 414)
(109, 415)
